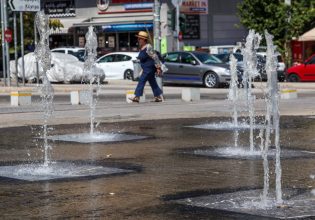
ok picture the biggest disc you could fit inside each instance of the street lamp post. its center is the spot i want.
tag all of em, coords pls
(288, 3)
(4, 63)
(179, 3)
(157, 32)
(5, 14)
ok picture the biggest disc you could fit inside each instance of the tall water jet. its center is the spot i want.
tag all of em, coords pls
(43, 56)
(233, 95)
(272, 119)
(250, 71)
(90, 73)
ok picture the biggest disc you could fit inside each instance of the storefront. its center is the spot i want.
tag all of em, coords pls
(303, 47)
(115, 22)
(201, 23)
(114, 37)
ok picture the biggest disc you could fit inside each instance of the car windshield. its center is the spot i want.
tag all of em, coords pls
(80, 54)
(207, 58)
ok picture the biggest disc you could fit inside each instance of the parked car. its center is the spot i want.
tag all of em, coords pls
(261, 65)
(195, 68)
(302, 72)
(280, 66)
(225, 58)
(78, 52)
(118, 65)
(64, 68)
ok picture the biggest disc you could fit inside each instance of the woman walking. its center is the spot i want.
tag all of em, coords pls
(149, 68)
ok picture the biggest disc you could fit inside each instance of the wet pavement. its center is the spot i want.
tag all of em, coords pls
(161, 172)
(161, 168)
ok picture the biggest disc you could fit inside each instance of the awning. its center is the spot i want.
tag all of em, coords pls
(67, 24)
(308, 36)
(107, 20)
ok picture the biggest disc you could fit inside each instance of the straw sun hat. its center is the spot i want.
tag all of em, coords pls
(143, 35)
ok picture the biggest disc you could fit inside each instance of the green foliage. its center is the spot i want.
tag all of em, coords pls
(28, 25)
(282, 21)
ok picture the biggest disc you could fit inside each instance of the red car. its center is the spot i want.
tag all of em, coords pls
(302, 72)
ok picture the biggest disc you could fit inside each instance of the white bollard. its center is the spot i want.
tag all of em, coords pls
(80, 97)
(190, 94)
(288, 94)
(74, 98)
(131, 93)
(21, 98)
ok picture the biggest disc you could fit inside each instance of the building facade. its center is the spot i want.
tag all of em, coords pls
(116, 22)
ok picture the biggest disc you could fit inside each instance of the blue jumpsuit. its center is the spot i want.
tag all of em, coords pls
(148, 74)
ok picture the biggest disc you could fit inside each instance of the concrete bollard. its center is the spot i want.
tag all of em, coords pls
(288, 94)
(131, 93)
(80, 97)
(190, 94)
(21, 98)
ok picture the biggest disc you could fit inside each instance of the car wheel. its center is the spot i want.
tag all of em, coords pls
(128, 75)
(211, 80)
(293, 78)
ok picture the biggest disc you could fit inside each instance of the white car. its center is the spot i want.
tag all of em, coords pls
(78, 52)
(118, 65)
(64, 68)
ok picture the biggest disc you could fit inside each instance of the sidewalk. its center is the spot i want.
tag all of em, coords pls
(112, 104)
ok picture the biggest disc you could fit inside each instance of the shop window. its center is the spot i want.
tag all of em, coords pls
(123, 41)
(110, 41)
(133, 41)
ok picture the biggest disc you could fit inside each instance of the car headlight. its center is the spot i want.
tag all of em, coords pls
(226, 72)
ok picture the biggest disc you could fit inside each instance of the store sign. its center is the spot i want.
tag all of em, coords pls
(63, 8)
(194, 7)
(191, 30)
(138, 6)
(24, 5)
(102, 5)
(8, 35)
(128, 27)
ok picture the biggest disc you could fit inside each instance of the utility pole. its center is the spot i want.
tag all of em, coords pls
(179, 3)
(15, 49)
(4, 63)
(157, 24)
(157, 33)
(286, 44)
(5, 15)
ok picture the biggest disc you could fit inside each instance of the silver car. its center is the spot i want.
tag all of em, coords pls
(195, 68)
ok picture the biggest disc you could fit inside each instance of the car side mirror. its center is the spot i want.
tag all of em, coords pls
(193, 62)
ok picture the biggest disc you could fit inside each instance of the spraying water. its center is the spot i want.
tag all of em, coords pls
(89, 73)
(250, 71)
(272, 119)
(43, 56)
(233, 95)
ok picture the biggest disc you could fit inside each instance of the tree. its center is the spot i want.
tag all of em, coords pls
(284, 22)
(29, 18)
(28, 26)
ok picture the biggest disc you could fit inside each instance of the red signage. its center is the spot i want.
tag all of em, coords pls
(194, 7)
(8, 35)
(180, 36)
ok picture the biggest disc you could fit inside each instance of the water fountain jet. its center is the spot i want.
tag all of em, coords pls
(288, 203)
(51, 169)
